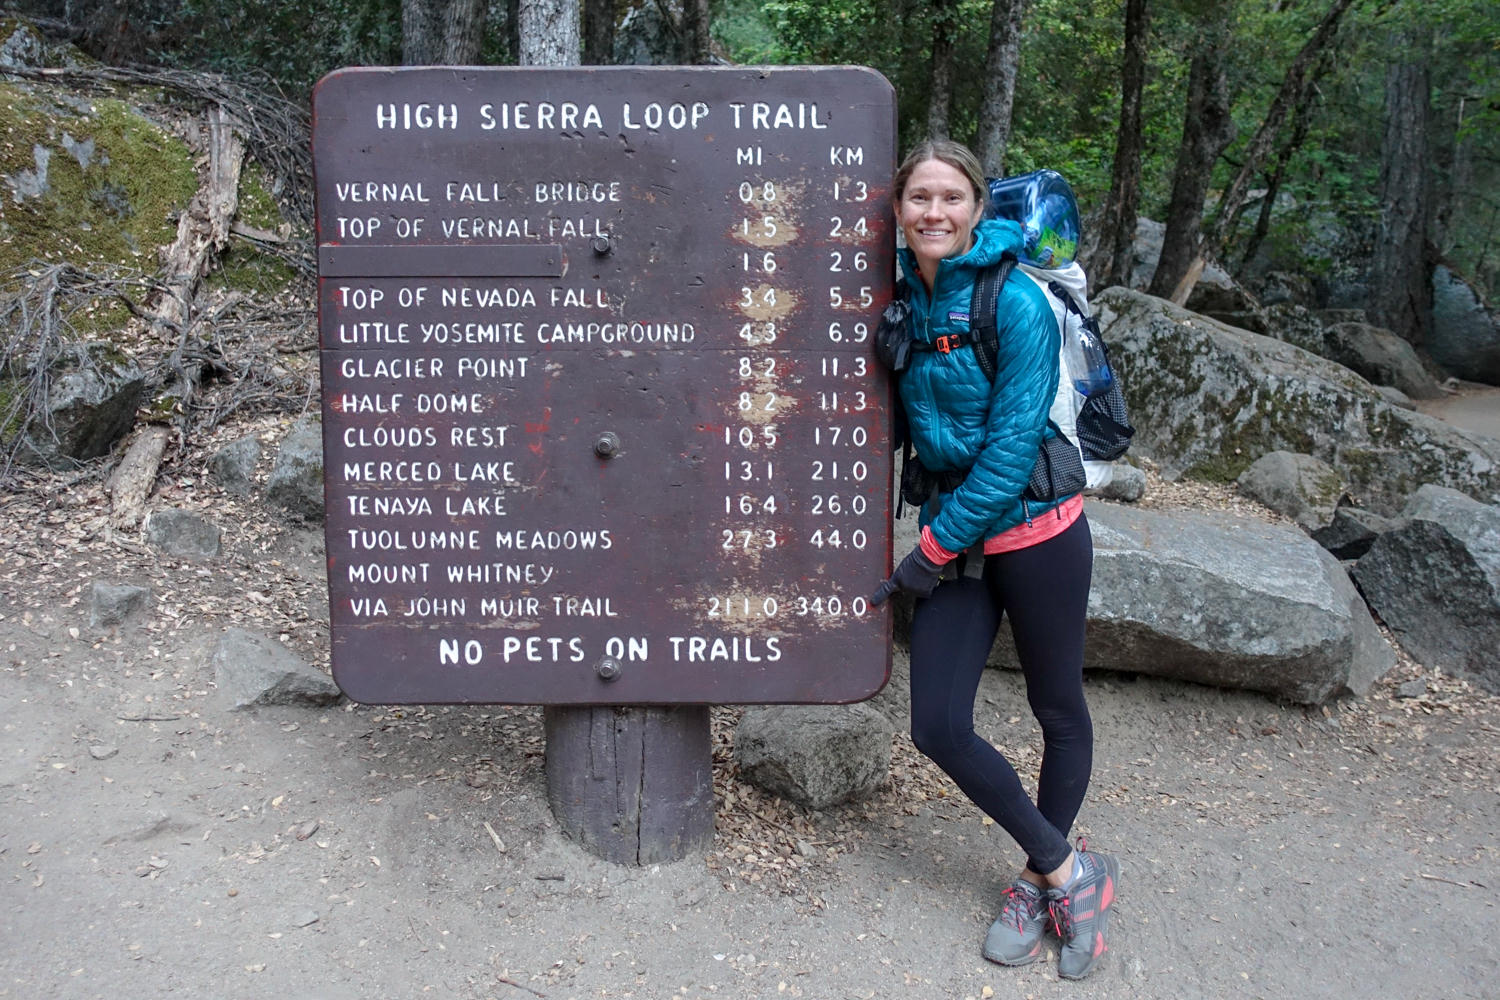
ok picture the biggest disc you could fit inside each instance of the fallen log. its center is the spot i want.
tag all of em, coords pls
(131, 482)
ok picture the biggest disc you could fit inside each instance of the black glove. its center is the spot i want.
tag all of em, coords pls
(916, 575)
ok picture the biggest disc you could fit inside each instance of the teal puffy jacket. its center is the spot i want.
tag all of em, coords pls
(960, 421)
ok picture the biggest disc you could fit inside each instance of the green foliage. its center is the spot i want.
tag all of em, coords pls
(291, 43)
(745, 32)
(1067, 99)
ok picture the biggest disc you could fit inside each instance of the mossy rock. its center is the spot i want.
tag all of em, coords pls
(1207, 400)
(91, 182)
(100, 184)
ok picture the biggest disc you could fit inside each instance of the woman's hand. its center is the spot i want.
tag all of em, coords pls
(916, 575)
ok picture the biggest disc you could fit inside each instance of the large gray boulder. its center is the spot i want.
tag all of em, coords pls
(91, 402)
(815, 755)
(251, 669)
(1342, 336)
(1465, 336)
(1222, 600)
(1381, 357)
(296, 481)
(1209, 399)
(1435, 580)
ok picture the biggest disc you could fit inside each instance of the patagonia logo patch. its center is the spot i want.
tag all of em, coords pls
(958, 316)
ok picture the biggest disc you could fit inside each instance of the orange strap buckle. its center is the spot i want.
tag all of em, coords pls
(945, 343)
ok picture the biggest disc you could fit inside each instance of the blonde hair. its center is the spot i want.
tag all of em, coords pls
(955, 154)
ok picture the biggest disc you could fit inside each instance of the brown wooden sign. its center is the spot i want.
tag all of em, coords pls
(601, 420)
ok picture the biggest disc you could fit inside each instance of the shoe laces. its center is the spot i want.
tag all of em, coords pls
(1020, 906)
(1061, 910)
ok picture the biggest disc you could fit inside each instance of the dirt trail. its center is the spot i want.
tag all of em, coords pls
(1474, 408)
(155, 844)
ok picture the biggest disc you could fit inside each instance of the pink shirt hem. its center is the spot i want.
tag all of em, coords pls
(1023, 536)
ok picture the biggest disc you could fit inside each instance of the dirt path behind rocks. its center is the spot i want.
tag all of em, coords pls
(152, 842)
(1474, 407)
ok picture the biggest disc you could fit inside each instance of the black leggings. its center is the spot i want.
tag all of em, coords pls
(1044, 590)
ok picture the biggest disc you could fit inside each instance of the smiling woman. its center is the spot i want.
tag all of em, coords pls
(992, 547)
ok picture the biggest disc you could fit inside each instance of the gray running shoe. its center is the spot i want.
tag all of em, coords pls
(1080, 911)
(1015, 938)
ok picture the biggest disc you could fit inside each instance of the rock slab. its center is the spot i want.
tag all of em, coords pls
(251, 669)
(814, 755)
(115, 603)
(1227, 601)
(1435, 580)
(183, 534)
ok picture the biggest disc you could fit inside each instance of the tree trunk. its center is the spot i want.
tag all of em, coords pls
(1115, 256)
(1000, 66)
(463, 32)
(420, 40)
(441, 32)
(940, 92)
(1400, 285)
(549, 33)
(513, 30)
(1206, 131)
(1457, 183)
(598, 32)
(697, 45)
(1295, 92)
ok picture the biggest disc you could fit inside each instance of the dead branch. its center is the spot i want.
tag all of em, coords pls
(211, 354)
(132, 480)
(203, 229)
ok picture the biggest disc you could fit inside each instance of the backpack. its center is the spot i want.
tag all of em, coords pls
(1090, 431)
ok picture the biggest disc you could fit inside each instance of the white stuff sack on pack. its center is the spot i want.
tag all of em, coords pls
(1105, 435)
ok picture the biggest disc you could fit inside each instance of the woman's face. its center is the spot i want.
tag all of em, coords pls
(937, 213)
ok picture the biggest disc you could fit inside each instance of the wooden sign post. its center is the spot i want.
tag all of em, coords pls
(602, 425)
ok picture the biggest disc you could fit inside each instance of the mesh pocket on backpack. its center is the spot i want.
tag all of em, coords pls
(1103, 426)
(1058, 471)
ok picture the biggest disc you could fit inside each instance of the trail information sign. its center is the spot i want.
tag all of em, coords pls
(601, 420)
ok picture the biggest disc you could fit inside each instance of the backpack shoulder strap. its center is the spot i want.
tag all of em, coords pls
(1066, 298)
(983, 305)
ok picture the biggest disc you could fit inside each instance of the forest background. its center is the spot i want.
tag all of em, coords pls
(1302, 132)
